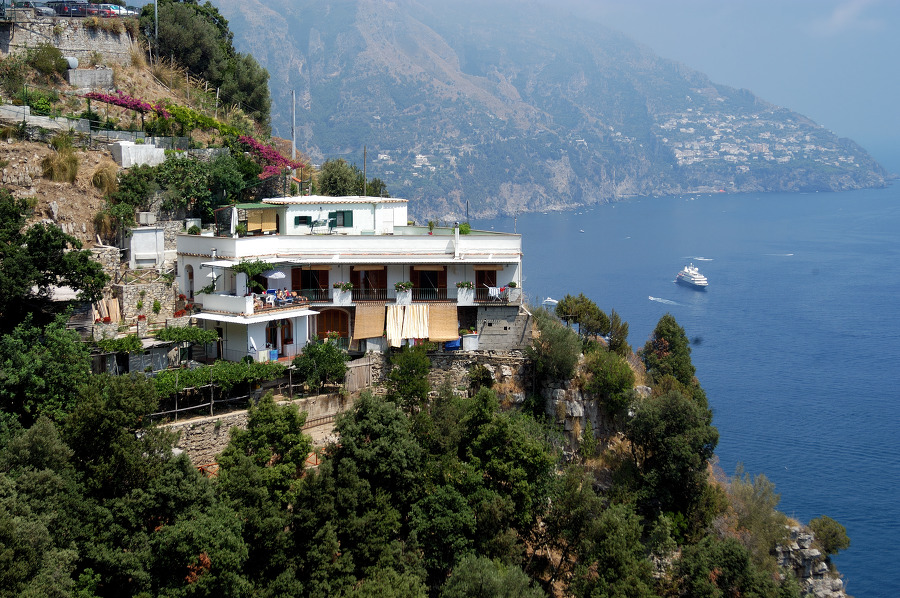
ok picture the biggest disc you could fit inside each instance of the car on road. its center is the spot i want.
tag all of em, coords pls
(39, 9)
(69, 8)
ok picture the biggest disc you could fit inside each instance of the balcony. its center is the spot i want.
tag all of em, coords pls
(464, 297)
(248, 305)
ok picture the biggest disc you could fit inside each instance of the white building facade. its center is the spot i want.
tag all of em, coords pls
(349, 267)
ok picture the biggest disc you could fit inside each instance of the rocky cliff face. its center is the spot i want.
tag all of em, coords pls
(502, 107)
(808, 564)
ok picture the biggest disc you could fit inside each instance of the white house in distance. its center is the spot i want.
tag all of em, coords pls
(316, 244)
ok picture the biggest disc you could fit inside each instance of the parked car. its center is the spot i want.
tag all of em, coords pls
(114, 9)
(69, 8)
(101, 10)
(39, 9)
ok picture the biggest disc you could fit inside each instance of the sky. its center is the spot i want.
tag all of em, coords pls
(834, 61)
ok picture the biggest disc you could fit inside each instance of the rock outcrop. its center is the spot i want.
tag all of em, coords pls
(808, 564)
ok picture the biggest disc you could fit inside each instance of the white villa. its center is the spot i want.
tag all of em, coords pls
(319, 244)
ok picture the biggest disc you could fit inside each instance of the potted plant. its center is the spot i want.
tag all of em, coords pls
(404, 292)
(341, 293)
(465, 292)
(513, 292)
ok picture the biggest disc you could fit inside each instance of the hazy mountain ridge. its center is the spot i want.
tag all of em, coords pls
(513, 108)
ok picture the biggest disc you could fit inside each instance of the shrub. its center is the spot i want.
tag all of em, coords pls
(480, 377)
(47, 60)
(408, 379)
(105, 178)
(321, 363)
(556, 351)
(194, 230)
(830, 534)
(465, 228)
(62, 164)
(157, 307)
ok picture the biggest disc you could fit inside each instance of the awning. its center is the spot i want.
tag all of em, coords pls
(369, 321)
(265, 317)
(443, 323)
(487, 267)
(219, 264)
(429, 268)
(369, 268)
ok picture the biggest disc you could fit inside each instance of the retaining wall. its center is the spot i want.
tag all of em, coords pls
(70, 35)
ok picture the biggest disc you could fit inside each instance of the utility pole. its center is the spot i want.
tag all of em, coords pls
(364, 171)
(293, 128)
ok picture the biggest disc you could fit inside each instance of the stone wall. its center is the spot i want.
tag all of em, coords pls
(94, 79)
(109, 258)
(71, 36)
(130, 294)
(503, 328)
(203, 438)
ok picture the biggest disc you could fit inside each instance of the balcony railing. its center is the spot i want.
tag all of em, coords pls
(429, 294)
(317, 295)
(370, 295)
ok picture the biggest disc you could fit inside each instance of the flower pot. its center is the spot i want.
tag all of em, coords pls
(404, 297)
(470, 342)
(465, 296)
(339, 297)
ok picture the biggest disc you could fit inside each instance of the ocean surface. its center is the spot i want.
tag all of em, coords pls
(796, 341)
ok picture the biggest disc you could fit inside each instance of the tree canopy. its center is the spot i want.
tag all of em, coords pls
(197, 37)
(34, 260)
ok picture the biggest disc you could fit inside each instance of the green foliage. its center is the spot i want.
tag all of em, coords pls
(187, 334)
(115, 447)
(611, 378)
(556, 351)
(408, 379)
(337, 178)
(465, 228)
(34, 260)
(618, 335)
(126, 344)
(321, 363)
(40, 370)
(135, 186)
(582, 311)
(612, 547)
(480, 577)
(760, 526)
(193, 230)
(225, 374)
(671, 441)
(198, 37)
(47, 60)
(713, 568)
(274, 443)
(480, 377)
(668, 352)
(13, 69)
(831, 535)
(252, 269)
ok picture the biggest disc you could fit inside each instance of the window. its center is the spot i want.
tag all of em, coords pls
(302, 220)
(341, 218)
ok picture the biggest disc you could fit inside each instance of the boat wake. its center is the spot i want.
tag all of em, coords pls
(780, 254)
(703, 259)
(661, 300)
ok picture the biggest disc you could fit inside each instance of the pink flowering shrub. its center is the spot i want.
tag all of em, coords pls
(275, 163)
(126, 101)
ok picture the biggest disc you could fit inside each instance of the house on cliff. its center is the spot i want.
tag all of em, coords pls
(351, 268)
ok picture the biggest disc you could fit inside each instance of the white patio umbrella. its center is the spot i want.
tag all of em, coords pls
(273, 274)
(212, 274)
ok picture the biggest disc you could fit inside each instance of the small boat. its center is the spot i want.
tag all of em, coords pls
(549, 302)
(690, 276)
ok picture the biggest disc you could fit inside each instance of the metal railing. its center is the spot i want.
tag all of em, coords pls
(429, 295)
(370, 295)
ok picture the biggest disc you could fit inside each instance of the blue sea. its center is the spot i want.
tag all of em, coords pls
(796, 341)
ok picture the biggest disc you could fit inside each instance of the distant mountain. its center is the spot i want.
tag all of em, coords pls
(513, 107)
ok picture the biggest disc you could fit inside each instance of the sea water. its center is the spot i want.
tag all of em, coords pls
(796, 341)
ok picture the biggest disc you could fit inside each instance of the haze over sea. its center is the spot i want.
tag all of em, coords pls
(795, 341)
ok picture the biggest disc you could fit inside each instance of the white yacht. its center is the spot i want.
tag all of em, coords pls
(691, 277)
